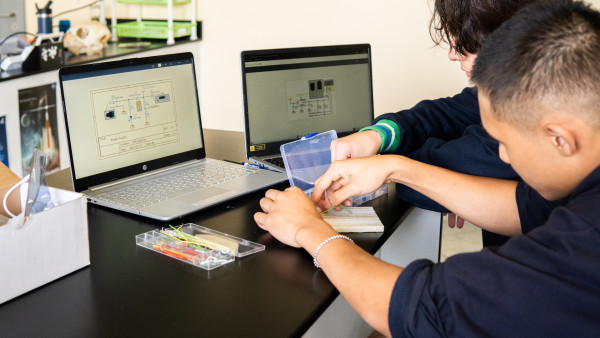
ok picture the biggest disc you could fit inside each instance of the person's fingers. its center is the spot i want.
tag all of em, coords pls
(260, 219)
(339, 196)
(460, 222)
(335, 185)
(324, 204)
(451, 220)
(294, 189)
(324, 201)
(322, 184)
(272, 194)
(265, 204)
(454, 220)
(318, 193)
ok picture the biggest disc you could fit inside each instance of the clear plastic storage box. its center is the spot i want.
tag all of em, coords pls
(309, 158)
(197, 245)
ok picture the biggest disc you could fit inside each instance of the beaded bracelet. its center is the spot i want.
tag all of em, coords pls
(325, 242)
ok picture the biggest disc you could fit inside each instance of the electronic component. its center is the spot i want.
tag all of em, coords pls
(197, 245)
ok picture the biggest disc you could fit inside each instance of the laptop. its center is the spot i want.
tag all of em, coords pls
(293, 92)
(135, 138)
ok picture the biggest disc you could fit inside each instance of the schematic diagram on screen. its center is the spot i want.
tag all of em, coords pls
(310, 98)
(134, 117)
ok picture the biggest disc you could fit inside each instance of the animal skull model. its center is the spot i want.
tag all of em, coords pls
(86, 38)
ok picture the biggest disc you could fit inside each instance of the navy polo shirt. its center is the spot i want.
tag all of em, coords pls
(545, 283)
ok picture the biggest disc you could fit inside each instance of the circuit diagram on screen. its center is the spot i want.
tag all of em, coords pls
(310, 98)
(134, 117)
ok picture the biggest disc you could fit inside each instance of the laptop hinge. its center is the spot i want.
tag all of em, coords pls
(139, 176)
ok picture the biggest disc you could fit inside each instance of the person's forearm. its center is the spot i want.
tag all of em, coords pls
(363, 280)
(489, 203)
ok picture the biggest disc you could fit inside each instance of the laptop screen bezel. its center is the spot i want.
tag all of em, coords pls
(85, 183)
(272, 148)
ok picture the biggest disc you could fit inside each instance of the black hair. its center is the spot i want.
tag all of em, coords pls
(543, 59)
(469, 22)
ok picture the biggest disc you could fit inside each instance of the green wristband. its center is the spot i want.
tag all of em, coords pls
(381, 132)
(394, 132)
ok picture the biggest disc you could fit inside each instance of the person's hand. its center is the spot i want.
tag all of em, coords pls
(351, 177)
(364, 143)
(286, 213)
(454, 220)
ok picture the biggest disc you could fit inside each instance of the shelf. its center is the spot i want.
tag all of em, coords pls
(153, 29)
(153, 2)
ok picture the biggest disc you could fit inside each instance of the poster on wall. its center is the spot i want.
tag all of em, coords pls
(3, 144)
(37, 118)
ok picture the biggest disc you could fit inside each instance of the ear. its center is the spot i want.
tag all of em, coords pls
(564, 140)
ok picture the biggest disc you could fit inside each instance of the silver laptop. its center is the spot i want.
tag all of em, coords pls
(292, 92)
(135, 139)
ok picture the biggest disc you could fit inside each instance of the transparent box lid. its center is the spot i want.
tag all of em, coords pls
(308, 158)
(197, 245)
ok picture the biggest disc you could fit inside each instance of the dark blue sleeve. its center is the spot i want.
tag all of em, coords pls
(447, 133)
(473, 153)
(444, 119)
(533, 208)
(536, 285)
(407, 283)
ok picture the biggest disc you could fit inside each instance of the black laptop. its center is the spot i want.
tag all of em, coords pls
(292, 92)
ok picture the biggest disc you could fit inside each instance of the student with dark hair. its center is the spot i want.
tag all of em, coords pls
(445, 132)
(538, 77)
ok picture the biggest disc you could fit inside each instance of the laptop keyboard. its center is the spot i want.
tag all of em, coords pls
(154, 190)
(278, 161)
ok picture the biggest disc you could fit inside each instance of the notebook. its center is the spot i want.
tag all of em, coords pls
(135, 138)
(292, 92)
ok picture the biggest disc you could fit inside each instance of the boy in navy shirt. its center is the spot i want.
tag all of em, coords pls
(538, 77)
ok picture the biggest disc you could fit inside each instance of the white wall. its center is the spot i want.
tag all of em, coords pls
(406, 65)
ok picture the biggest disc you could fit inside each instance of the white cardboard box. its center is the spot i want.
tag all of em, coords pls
(51, 244)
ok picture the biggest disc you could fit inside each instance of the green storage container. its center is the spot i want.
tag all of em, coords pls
(153, 29)
(152, 2)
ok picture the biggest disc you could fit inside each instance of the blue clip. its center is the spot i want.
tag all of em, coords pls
(252, 165)
(309, 136)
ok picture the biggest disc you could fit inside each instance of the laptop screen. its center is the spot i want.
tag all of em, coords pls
(127, 117)
(289, 93)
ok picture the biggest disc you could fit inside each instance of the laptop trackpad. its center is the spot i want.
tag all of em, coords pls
(201, 196)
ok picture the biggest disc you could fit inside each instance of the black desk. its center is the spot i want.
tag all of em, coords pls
(131, 291)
